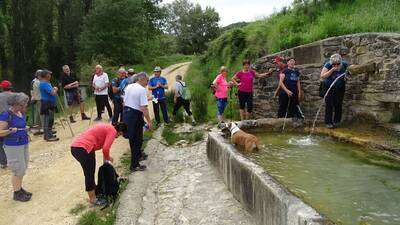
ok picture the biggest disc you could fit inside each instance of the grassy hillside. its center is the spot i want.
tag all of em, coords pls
(302, 23)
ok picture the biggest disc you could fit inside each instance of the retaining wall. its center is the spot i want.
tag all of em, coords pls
(268, 201)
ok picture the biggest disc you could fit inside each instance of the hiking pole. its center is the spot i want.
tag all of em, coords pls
(62, 109)
(287, 110)
(91, 116)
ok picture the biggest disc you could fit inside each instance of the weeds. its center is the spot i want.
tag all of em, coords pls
(172, 137)
(77, 209)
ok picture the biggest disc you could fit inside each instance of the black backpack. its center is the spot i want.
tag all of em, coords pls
(108, 184)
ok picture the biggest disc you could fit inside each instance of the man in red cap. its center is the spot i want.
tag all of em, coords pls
(6, 85)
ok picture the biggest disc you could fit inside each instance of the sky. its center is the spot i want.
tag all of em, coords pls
(232, 11)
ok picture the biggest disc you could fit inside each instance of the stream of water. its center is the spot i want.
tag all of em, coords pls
(333, 177)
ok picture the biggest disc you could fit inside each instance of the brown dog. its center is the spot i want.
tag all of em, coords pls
(241, 138)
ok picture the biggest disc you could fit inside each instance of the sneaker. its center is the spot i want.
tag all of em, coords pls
(100, 202)
(26, 192)
(53, 132)
(3, 166)
(84, 117)
(336, 125)
(71, 119)
(21, 196)
(138, 168)
(97, 119)
(52, 139)
(193, 123)
(329, 126)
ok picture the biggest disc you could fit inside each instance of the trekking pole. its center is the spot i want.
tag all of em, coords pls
(287, 110)
(91, 116)
(62, 109)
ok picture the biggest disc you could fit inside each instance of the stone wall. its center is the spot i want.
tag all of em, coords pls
(374, 91)
(264, 198)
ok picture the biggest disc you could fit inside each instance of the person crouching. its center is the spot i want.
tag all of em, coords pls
(100, 136)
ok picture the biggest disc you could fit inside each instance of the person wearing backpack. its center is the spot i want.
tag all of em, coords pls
(100, 136)
(16, 142)
(182, 98)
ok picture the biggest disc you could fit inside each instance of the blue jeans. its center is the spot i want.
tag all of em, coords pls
(221, 104)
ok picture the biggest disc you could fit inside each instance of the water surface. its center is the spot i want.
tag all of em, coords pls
(337, 179)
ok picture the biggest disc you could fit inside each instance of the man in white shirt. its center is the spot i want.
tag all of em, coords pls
(135, 111)
(35, 101)
(100, 84)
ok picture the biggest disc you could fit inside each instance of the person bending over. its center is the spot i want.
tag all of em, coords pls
(100, 136)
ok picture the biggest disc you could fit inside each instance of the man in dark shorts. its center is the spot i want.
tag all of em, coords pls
(71, 87)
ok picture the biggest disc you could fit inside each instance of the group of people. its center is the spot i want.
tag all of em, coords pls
(289, 89)
(130, 117)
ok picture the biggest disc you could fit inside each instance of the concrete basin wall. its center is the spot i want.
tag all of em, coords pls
(268, 201)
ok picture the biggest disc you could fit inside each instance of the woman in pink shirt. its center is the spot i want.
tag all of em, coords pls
(100, 136)
(245, 77)
(221, 92)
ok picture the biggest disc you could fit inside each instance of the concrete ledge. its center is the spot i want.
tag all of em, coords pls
(268, 201)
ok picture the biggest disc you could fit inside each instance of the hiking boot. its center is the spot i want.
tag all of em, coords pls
(21, 196)
(138, 168)
(329, 126)
(52, 139)
(193, 123)
(71, 119)
(84, 117)
(97, 119)
(26, 192)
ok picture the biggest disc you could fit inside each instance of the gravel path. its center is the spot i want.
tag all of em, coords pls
(179, 187)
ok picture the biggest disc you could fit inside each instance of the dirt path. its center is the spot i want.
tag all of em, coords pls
(55, 177)
(170, 73)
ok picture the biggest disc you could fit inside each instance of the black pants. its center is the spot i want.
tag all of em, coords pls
(156, 107)
(118, 109)
(333, 105)
(88, 163)
(101, 102)
(289, 107)
(182, 102)
(47, 111)
(134, 119)
(246, 100)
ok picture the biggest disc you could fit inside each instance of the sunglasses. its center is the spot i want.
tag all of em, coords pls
(336, 64)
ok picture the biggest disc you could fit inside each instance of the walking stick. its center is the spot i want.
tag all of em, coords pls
(91, 116)
(287, 110)
(62, 108)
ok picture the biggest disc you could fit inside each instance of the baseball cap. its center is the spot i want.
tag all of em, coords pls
(5, 84)
(131, 70)
(157, 69)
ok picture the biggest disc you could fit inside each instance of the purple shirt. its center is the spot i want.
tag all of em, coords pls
(246, 80)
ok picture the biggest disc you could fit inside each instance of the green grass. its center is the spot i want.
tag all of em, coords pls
(172, 137)
(77, 209)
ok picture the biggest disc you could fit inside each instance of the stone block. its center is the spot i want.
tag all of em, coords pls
(307, 54)
(361, 50)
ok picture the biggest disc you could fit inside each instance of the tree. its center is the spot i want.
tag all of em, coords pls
(119, 30)
(192, 26)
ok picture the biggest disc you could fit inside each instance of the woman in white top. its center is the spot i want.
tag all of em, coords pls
(101, 84)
